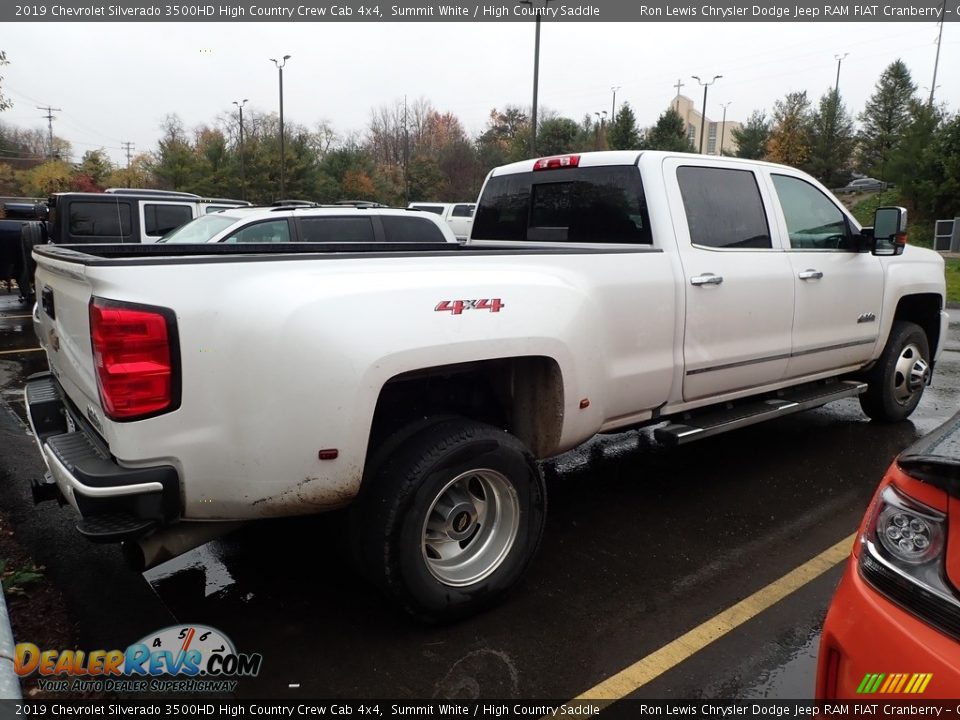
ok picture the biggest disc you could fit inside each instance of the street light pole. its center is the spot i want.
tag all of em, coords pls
(600, 117)
(723, 126)
(839, 59)
(613, 107)
(243, 180)
(283, 157)
(703, 115)
(536, 75)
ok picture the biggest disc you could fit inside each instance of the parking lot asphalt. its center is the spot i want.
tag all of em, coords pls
(642, 545)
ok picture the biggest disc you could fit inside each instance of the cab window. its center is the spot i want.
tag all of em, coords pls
(724, 208)
(813, 221)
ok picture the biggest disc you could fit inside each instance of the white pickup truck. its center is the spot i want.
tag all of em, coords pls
(459, 216)
(195, 384)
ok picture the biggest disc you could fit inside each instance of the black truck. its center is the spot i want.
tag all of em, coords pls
(117, 215)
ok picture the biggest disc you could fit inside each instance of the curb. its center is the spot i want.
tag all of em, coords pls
(9, 682)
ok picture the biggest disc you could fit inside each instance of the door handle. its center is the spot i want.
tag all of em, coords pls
(810, 274)
(706, 279)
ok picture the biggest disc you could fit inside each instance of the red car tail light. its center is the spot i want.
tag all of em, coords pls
(136, 358)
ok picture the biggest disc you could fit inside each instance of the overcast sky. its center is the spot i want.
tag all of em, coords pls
(115, 82)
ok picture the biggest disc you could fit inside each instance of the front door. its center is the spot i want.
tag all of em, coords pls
(839, 291)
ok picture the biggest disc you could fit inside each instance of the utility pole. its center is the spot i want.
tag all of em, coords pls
(128, 147)
(536, 74)
(839, 59)
(613, 107)
(703, 115)
(49, 117)
(936, 62)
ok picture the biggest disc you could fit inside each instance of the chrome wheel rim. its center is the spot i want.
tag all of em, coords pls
(470, 527)
(910, 374)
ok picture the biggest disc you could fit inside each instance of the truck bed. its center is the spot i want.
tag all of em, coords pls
(161, 254)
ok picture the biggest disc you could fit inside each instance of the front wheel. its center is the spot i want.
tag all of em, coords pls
(451, 520)
(896, 383)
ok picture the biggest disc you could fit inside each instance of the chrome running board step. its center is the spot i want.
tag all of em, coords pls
(731, 416)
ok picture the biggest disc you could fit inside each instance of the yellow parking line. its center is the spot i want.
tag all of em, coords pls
(673, 653)
(14, 352)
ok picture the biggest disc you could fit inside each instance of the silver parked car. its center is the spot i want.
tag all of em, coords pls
(864, 185)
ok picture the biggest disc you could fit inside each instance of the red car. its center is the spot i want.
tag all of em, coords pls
(893, 629)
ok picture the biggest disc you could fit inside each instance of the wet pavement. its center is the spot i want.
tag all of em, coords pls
(642, 544)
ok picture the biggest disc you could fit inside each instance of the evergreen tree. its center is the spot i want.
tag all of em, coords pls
(832, 142)
(622, 133)
(885, 117)
(557, 135)
(752, 138)
(789, 141)
(668, 134)
(913, 163)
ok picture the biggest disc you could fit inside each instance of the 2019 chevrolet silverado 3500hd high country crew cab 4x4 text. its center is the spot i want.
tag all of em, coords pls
(420, 383)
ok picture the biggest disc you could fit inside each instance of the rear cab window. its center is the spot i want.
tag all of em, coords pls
(566, 205)
(724, 208)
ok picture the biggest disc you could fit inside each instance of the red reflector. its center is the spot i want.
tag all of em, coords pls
(561, 161)
(131, 354)
(329, 454)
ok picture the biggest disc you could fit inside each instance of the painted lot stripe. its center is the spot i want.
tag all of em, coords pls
(14, 352)
(673, 653)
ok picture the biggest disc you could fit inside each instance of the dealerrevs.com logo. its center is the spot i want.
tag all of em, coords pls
(184, 658)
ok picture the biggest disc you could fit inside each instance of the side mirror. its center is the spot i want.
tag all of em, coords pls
(889, 231)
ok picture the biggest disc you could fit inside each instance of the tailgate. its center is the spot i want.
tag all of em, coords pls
(62, 324)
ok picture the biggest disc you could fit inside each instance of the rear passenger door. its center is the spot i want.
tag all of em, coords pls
(738, 281)
(839, 291)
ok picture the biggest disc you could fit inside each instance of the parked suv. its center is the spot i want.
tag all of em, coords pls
(330, 224)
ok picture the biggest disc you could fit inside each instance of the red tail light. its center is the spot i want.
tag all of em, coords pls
(134, 352)
(561, 161)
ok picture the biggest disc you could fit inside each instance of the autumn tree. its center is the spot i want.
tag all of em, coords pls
(832, 142)
(669, 133)
(51, 177)
(789, 141)
(622, 133)
(752, 137)
(885, 117)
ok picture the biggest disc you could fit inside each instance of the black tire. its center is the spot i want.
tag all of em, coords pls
(481, 465)
(896, 382)
(31, 234)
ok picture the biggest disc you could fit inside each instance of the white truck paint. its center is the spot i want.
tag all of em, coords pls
(551, 339)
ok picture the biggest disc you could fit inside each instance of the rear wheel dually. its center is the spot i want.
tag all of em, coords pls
(451, 520)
